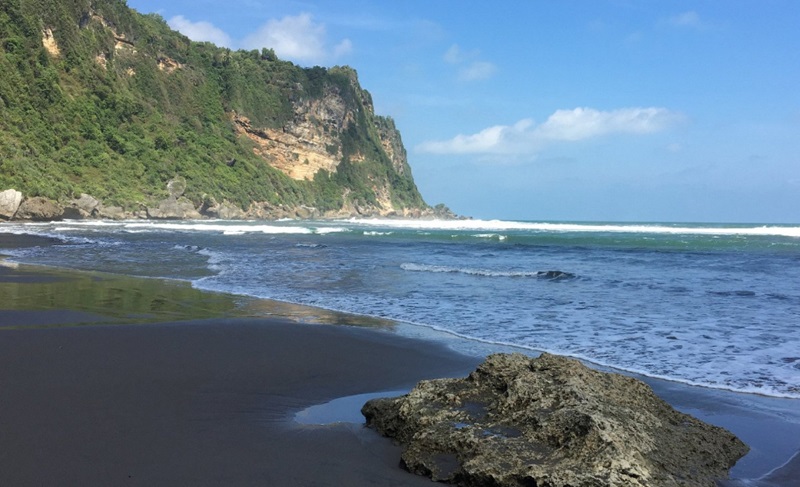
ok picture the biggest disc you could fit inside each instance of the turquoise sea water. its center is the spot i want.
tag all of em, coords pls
(711, 305)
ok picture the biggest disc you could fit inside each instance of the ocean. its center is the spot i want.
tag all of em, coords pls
(711, 305)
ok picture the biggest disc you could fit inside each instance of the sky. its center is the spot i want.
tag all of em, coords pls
(577, 110)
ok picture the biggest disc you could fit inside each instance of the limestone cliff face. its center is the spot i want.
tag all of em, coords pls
(392, 144)
(318, 137)
(305, 145)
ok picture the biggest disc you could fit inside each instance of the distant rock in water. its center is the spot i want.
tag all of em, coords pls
(555, 275)
(550, 421)
(310, 246)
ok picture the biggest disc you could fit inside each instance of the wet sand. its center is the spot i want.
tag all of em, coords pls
(119, 381)
(200, 403)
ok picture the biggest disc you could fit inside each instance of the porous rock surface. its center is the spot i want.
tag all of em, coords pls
(174, 209)
(39, 209)
(550, 422)
(84, 207)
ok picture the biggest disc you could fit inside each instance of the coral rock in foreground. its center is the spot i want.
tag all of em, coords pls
(550, 422)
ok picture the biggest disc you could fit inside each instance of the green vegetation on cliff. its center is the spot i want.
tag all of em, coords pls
(96, 98)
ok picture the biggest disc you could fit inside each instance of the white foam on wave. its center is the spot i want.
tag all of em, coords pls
(489, 236)
(408, 266)
(483, 228)
(65, 229)
(326, 230)
(501, 225)
(211, 226)
(707, 383)
(702, 378)
(89, 223)
(44, 230)
(26, 229)
(721, 372)
(217, 262)
(229, 229)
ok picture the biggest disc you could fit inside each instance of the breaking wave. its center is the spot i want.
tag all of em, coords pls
(485, 272)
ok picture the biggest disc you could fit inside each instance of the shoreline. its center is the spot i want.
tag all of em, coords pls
(184, 319)
(196, 402)
(460, 342)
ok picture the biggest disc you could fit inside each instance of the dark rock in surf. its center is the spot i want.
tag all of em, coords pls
(550, 421)
(555, 275)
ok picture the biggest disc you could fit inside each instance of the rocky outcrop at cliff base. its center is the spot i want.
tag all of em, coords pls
(550, 422)
(15, 206)
(84, 207)
(10, 200)
(39, 209)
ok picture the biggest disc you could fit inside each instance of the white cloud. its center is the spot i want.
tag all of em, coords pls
(453, 55)
(477, 70)
(498, 139)
(584, 123)
(563, 125)
(200, 31)
(343, 48)
(298, 38)
(471, 67)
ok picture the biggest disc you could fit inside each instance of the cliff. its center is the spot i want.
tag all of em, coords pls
(101, 102)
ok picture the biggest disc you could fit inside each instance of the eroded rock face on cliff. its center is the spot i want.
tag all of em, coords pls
(308, 143)
(550, 422)
(392, 144)
(335, 125)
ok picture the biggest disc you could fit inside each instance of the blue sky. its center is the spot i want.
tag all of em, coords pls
(603, 110)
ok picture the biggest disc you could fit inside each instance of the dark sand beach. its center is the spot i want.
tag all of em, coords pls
(117, 381)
